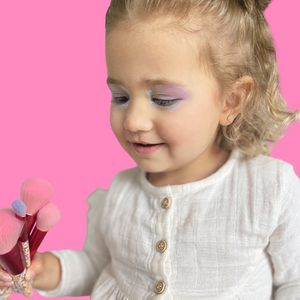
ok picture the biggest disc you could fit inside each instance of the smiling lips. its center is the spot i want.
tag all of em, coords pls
(142, 142)
(146, 145)
(146, 148)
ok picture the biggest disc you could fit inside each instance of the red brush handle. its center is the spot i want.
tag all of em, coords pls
(30, 220)
(24, 234)
(14, 261)
(35, 240)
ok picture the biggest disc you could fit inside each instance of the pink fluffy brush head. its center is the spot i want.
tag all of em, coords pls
(35, 193)
(47, 217)
(10, 229)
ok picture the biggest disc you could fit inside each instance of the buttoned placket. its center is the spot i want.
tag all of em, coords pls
(162, 245)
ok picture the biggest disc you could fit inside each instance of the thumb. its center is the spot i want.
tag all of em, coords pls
(36, 267)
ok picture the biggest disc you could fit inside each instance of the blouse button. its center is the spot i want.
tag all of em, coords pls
(161, 246)
(166, 203)
(159, 287)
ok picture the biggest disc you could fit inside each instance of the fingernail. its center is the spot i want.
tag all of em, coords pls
(29, 275)
(7, 278)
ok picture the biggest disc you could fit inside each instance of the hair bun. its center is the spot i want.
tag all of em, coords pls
(262, 4)
(253, 5)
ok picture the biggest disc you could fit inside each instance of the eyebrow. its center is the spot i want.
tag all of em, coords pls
(149, 82)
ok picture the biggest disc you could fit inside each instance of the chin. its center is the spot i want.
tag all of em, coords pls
(149, 167)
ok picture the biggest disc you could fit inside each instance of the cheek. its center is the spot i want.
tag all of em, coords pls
(116, 122)
(178, 129)
(189, 127)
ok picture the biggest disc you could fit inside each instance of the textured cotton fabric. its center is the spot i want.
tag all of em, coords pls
(231, 236)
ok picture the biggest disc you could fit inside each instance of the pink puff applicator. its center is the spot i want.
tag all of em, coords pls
(35, 193)
(48, 216)
(11, 253)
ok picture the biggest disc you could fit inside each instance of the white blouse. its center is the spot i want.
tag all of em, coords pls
(234, 235)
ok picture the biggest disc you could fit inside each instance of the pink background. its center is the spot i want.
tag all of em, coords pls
(54, 104)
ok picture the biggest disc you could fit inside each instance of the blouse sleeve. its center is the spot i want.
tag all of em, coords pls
(284, 243)
(81, 268)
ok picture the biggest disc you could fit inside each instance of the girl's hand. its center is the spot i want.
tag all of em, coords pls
(5, 279)
(36, 267)
(45, 270)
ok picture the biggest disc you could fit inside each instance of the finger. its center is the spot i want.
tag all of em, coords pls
(5, 279)
(3, 272)
(37, 267)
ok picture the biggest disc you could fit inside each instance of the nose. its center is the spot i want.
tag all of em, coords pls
(138, 116)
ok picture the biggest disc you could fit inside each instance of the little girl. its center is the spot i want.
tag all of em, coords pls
(206, 213)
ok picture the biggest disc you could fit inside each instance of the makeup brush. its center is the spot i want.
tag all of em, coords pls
(11, 254)
(5, 293)
(35, 193)
(20, 210)
(47, 217)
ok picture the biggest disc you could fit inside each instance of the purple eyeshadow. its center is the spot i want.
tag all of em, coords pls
(171, 90)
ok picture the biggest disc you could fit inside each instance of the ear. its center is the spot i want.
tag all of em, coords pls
(233, 102)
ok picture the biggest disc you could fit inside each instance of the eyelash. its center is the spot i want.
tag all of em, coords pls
(160, 101)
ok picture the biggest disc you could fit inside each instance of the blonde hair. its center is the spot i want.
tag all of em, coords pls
(236, 41)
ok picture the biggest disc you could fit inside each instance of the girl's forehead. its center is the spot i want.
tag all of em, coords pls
(152, 44)
(144, 55)
(169, 27)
